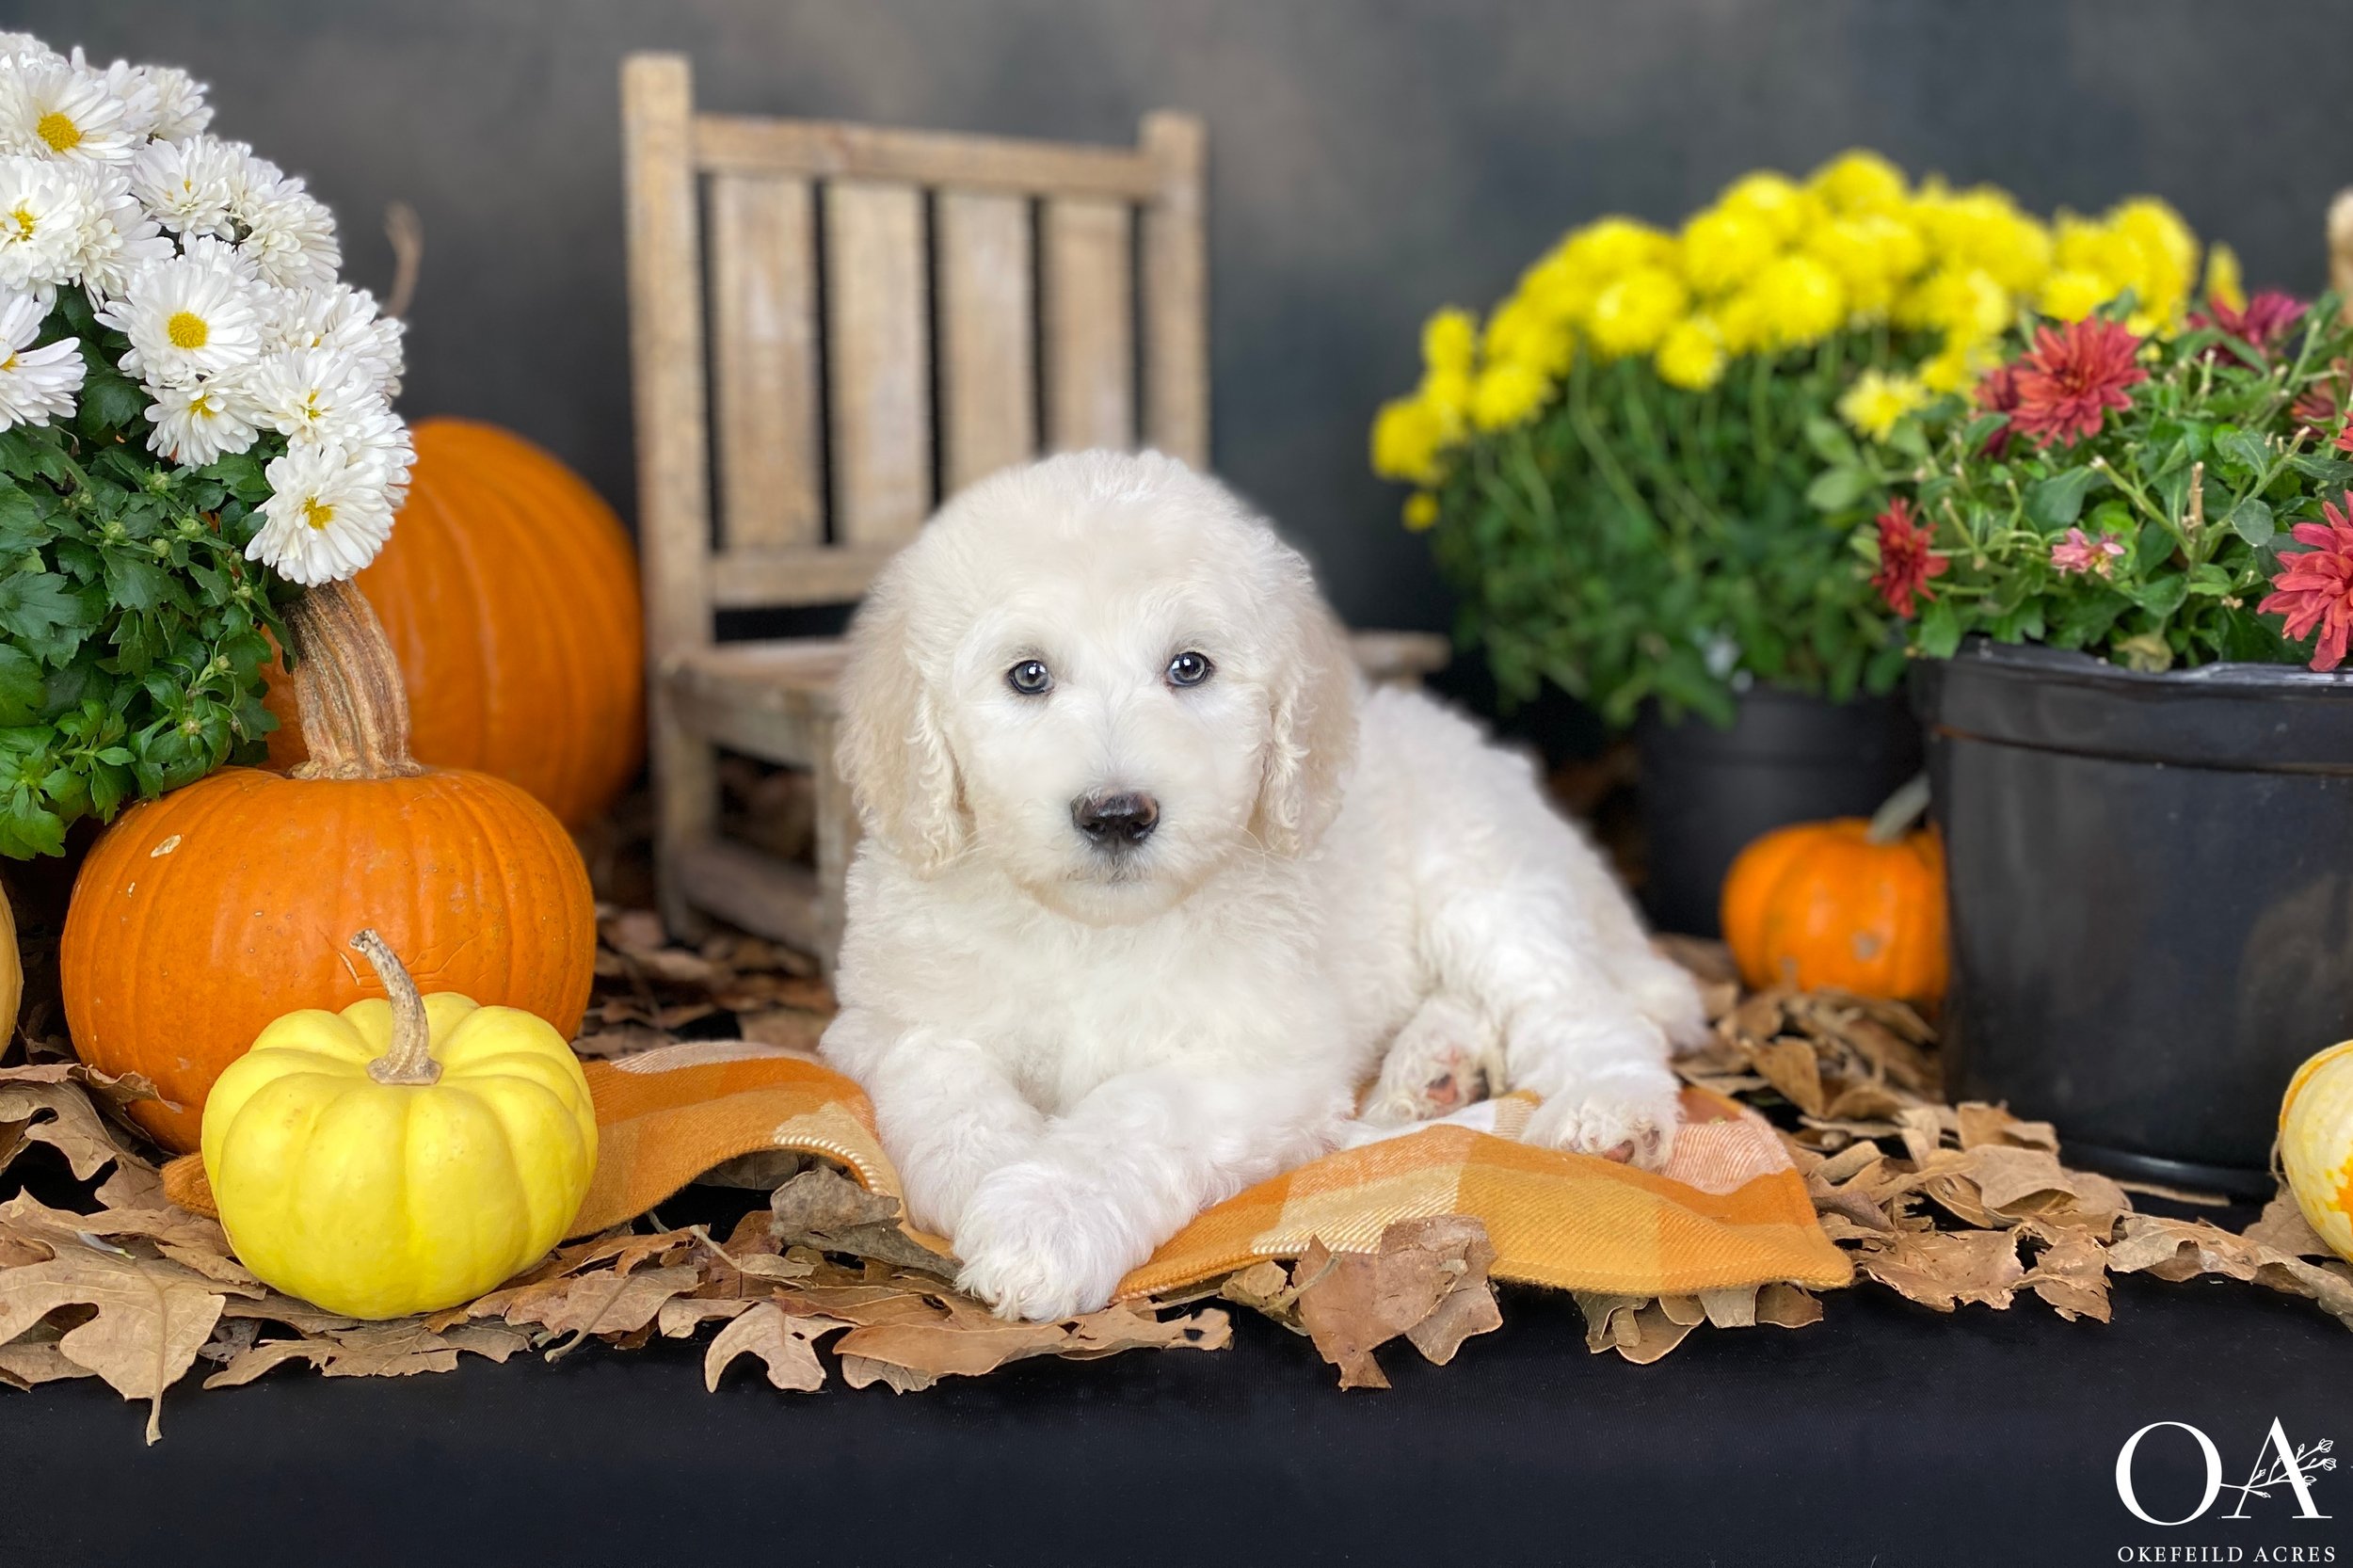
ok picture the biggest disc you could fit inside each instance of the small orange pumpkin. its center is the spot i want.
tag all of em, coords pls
(202, 916)
(509, 591)
(1847, 905)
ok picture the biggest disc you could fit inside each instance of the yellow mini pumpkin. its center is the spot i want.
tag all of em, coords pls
(399, 1155)
(2317, 1143)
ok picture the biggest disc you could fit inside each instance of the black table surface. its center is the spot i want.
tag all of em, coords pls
(1887, 1435)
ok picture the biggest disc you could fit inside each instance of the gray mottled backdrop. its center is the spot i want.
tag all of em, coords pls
(1369, 160)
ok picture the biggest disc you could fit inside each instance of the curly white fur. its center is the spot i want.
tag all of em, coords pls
(1071, 1052)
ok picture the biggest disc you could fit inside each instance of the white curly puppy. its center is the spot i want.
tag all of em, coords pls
(1150, 884)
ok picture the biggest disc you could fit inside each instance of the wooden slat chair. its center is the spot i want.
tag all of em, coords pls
(890, 314)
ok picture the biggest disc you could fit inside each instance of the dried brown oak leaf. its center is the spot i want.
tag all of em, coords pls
(826, 1210)
(399, 1349)
(1429, 1271)
(2283, 1228)
(787, 1346)
(2179, 1249)
(151, 1315)
(49, 1102)
(1945, 1268)
(2071, 1273)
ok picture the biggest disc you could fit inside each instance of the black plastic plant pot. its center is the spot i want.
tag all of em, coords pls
(1707, 793)
(2150, 880)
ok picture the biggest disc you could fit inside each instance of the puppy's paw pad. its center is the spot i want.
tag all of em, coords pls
(1636, 1127)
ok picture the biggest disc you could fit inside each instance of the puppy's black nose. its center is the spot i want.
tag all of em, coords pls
(1120, 820)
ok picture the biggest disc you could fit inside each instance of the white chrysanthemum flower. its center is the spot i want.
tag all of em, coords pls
(37, 385)
(345, 318)
(381, 439)
(326, 516)
(54, 109)
(119, 238)
(23, 49)
(253, 180)
(131, 86)
(188, 184)
(291, 236)
(186, 321)
(219, 255)
(45, 212)
(197, 422)
(311, 396)
(160, 100)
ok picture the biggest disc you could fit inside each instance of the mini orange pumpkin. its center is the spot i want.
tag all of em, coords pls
(1847, 905)
(202, 916)
(509, 591)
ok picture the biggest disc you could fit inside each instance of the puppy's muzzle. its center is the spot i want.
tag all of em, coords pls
(1115, 819)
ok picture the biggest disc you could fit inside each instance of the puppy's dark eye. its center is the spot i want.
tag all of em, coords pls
(1029, 678)
(1190, 669)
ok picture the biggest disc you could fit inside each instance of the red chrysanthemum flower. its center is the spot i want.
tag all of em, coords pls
(1998, 395)
(2262, 325)
(2071, 376)
(1906, 563)
(2314, 587)
(2318, 406)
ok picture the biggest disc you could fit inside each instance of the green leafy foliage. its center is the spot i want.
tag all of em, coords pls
(1639, 543)
(132, 628)
(2188, 494)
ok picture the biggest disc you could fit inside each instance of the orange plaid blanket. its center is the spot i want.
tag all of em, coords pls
(1729, 1210)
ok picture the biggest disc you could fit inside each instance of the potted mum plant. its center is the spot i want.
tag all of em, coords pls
(2128, 558)
(1641, 472)
(195, 424)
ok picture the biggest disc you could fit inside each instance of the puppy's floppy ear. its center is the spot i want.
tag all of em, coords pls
(894, 753)
(1313, 722)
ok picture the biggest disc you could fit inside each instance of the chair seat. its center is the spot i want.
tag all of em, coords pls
(773, 699)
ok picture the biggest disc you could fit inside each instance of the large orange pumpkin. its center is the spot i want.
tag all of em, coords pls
(509, 591)
(1850, 905)
(202, 916)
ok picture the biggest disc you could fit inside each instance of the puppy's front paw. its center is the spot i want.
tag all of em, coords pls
(1037, 1243)
(1438, 1063)
(1628, 1114)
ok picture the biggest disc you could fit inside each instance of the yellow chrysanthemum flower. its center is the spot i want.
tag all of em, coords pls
(1873, 255)
(1957, 365)
(1982, 228)
(1556, 288)
(1772, 200)
(1449, 339)
(1877, 400)
(1507, 395)
(1692, 355)
(2074, 293)
(1723, 248)
(1610, 247)
(1859, 182)
(2224, 285)
(1407, 439)
(1957, 299)
(1520, 332)
(1797, 301)
(1634, 312)
(1421, 511)
(1447, 394)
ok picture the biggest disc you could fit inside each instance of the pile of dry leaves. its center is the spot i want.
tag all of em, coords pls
(1946, 1205)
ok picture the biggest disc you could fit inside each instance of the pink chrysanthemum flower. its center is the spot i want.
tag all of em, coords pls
(2070, 379)
(2314, 587)
(2080, 552)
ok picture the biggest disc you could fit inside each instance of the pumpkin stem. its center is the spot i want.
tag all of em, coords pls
(1899, 811)
(355, 710)
(411, 1058)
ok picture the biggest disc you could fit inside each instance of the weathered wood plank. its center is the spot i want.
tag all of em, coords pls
(763, 323)
(832, 151)
(818, 574)
(673, 440)
(988, 371)
(1090, 324)
(1175, 265)
(769, 897)
(878, 346)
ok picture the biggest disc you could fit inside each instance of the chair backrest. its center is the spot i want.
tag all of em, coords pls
(892, 314)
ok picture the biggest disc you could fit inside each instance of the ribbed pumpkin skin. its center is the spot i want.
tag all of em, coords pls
(201, 917)
(2317, 1143)
(509, 592)
(1822, 900)
(11, 969)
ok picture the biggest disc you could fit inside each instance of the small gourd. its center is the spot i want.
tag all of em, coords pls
(1849, 904)
(399, 1155)
(2317, 1143)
